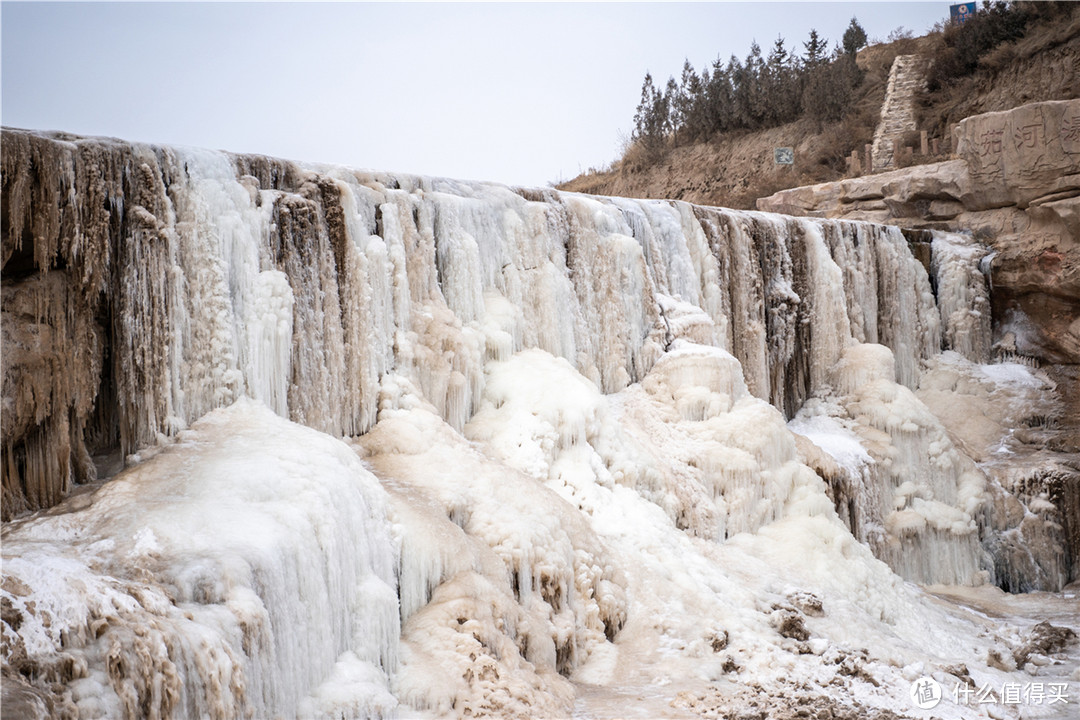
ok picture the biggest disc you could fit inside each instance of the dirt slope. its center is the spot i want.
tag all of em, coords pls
(734, 170)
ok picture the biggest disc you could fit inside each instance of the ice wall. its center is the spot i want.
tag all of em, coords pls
(191, 278)
(664, 538)
(963, 294)
(199, 277)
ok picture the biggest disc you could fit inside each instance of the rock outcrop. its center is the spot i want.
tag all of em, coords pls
(1015, 184)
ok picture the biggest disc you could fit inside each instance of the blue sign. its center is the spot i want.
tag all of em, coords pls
(960, 13)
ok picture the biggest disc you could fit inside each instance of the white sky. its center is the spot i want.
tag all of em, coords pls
(517, 93)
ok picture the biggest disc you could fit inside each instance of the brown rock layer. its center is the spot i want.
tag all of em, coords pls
(59, 250)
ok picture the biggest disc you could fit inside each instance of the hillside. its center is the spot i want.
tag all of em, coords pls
(734, 169)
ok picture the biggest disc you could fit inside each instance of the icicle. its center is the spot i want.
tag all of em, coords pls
(962, 294)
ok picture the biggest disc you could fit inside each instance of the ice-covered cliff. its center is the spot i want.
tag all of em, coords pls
(618, 441)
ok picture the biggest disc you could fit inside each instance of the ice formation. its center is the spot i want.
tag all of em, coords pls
(222, 577)
(1004, 417)
(409, 446)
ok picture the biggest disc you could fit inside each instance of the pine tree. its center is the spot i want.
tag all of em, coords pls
(830, 87)
(693, 97)
(676, 107)
(778, 56)
(644, 109)
(719, 96)
(651, 118)
(816, 48)
(781, 84)
(756, 104)
(740, 89)
(854, 37)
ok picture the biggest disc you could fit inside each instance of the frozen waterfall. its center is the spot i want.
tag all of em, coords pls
(398, 444)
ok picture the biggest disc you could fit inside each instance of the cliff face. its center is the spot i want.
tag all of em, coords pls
(728, 171)
(1015, 184)
(1042, 68)
(59, 263)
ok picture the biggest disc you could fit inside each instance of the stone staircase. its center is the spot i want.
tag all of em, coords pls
(906, 78)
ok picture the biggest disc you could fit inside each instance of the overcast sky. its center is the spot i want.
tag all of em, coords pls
(517, 93)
